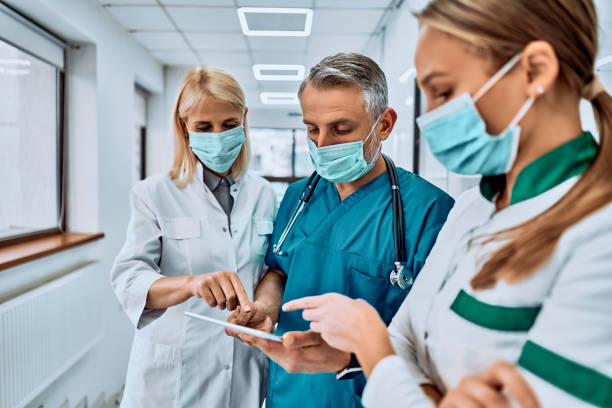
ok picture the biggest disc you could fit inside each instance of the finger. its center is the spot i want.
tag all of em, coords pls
(208, 296)
(316, 327)
(507, 375)
(303, 303)
(245, 340)
(483, 392)
(218, 294)
(243, 298)
(458, 399)
(240, 317)
(315, 314)
(228, 291)
(297, 339)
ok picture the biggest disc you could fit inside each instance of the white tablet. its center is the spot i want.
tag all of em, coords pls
(236, 327)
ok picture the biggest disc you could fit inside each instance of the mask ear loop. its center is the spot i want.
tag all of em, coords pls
(526, 106)
(370, 134)
(503, 71)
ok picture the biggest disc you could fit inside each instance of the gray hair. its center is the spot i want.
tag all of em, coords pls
(356, 69)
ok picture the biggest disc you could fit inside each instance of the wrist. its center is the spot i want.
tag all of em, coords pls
(190, 286)
(344, 363)
(370, 353)
(267, 309)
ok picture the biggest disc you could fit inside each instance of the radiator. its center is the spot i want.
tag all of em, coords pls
(43, 332)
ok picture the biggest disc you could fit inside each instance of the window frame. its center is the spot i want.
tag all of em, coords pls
(59, 142)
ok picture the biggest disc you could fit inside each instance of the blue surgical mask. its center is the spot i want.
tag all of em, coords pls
(217, 151)
(458, 138)
(344, 162)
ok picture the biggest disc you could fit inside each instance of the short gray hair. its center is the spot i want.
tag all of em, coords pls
(356, 69)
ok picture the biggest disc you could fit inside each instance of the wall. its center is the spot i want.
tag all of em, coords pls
(100, 81)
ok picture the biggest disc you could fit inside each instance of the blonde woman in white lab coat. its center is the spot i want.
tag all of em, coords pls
(514, 302)
(196, 242)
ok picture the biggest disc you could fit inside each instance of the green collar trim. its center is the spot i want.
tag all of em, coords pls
(548, 171)
(576, 379)
(502, 318)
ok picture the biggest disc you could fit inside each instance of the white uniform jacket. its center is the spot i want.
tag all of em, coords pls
(556, 325)
(177, 361)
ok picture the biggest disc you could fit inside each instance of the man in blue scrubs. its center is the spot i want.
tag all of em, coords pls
(342, 241)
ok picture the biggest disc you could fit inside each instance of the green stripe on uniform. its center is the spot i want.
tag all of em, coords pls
(494, 317)
(582, 382)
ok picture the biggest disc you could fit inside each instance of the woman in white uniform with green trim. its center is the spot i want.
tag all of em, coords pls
(515, 299)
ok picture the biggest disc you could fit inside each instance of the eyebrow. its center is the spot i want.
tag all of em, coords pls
(431, 76)
(208, 121)
(342, 121)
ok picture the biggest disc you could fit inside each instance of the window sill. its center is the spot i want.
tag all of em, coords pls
(20, 253)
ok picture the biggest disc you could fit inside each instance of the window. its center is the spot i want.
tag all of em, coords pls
(140, 135)
(30, 142)
(280, 155)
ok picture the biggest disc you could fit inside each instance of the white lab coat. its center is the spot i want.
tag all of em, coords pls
(573, 293)
(177, 361)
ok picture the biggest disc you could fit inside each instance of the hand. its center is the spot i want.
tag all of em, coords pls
(257, 317)
(303, 352)
(487, 390)
(340, 319)
(342, 322)
(222, 289)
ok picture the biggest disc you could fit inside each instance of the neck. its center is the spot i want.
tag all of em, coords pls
(346, 189)
(550, 130)
(224, 174)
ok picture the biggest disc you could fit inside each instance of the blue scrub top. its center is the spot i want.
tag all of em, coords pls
(347, 247)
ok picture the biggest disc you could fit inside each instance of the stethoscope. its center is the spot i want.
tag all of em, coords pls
(398, 276)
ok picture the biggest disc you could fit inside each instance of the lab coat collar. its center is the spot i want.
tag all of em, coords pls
(213, 181)
(199, 177)
(548, 171)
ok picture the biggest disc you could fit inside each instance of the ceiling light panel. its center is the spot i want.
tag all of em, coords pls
(279, 98)
(275, 22)
(278, 72)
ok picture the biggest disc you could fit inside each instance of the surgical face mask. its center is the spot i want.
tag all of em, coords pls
(217, 151)
(344, 162)
(458, 138)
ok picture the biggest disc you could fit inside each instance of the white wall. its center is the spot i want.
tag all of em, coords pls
(100, 89)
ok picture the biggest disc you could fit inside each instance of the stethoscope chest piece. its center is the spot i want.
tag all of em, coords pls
(401, 277)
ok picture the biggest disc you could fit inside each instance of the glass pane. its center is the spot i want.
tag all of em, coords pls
(303, 165)
(28, 143)
(271, 151)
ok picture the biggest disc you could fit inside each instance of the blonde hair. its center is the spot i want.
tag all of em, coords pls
(198, 84)
(501, 30)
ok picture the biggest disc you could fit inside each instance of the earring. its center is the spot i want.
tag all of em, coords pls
(540, 90)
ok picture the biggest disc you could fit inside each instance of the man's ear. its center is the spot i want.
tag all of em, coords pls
(541, 66)
(386, 123)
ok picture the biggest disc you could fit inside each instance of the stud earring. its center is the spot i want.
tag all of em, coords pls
(540, 90)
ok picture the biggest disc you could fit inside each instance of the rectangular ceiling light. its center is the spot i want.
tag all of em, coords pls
(277, 72)
(275, 22)
(279, 98)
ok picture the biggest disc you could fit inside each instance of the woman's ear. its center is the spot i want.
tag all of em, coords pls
(387, 122)
(541, 65)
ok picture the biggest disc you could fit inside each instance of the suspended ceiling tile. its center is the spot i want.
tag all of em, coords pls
(161, 40)
(205, 18)
(294, 44)
(225, 60)
(177, 58)
(217, 41)
(345, 21)
(141, 18)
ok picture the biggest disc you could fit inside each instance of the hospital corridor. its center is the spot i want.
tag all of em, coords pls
(305, 203)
